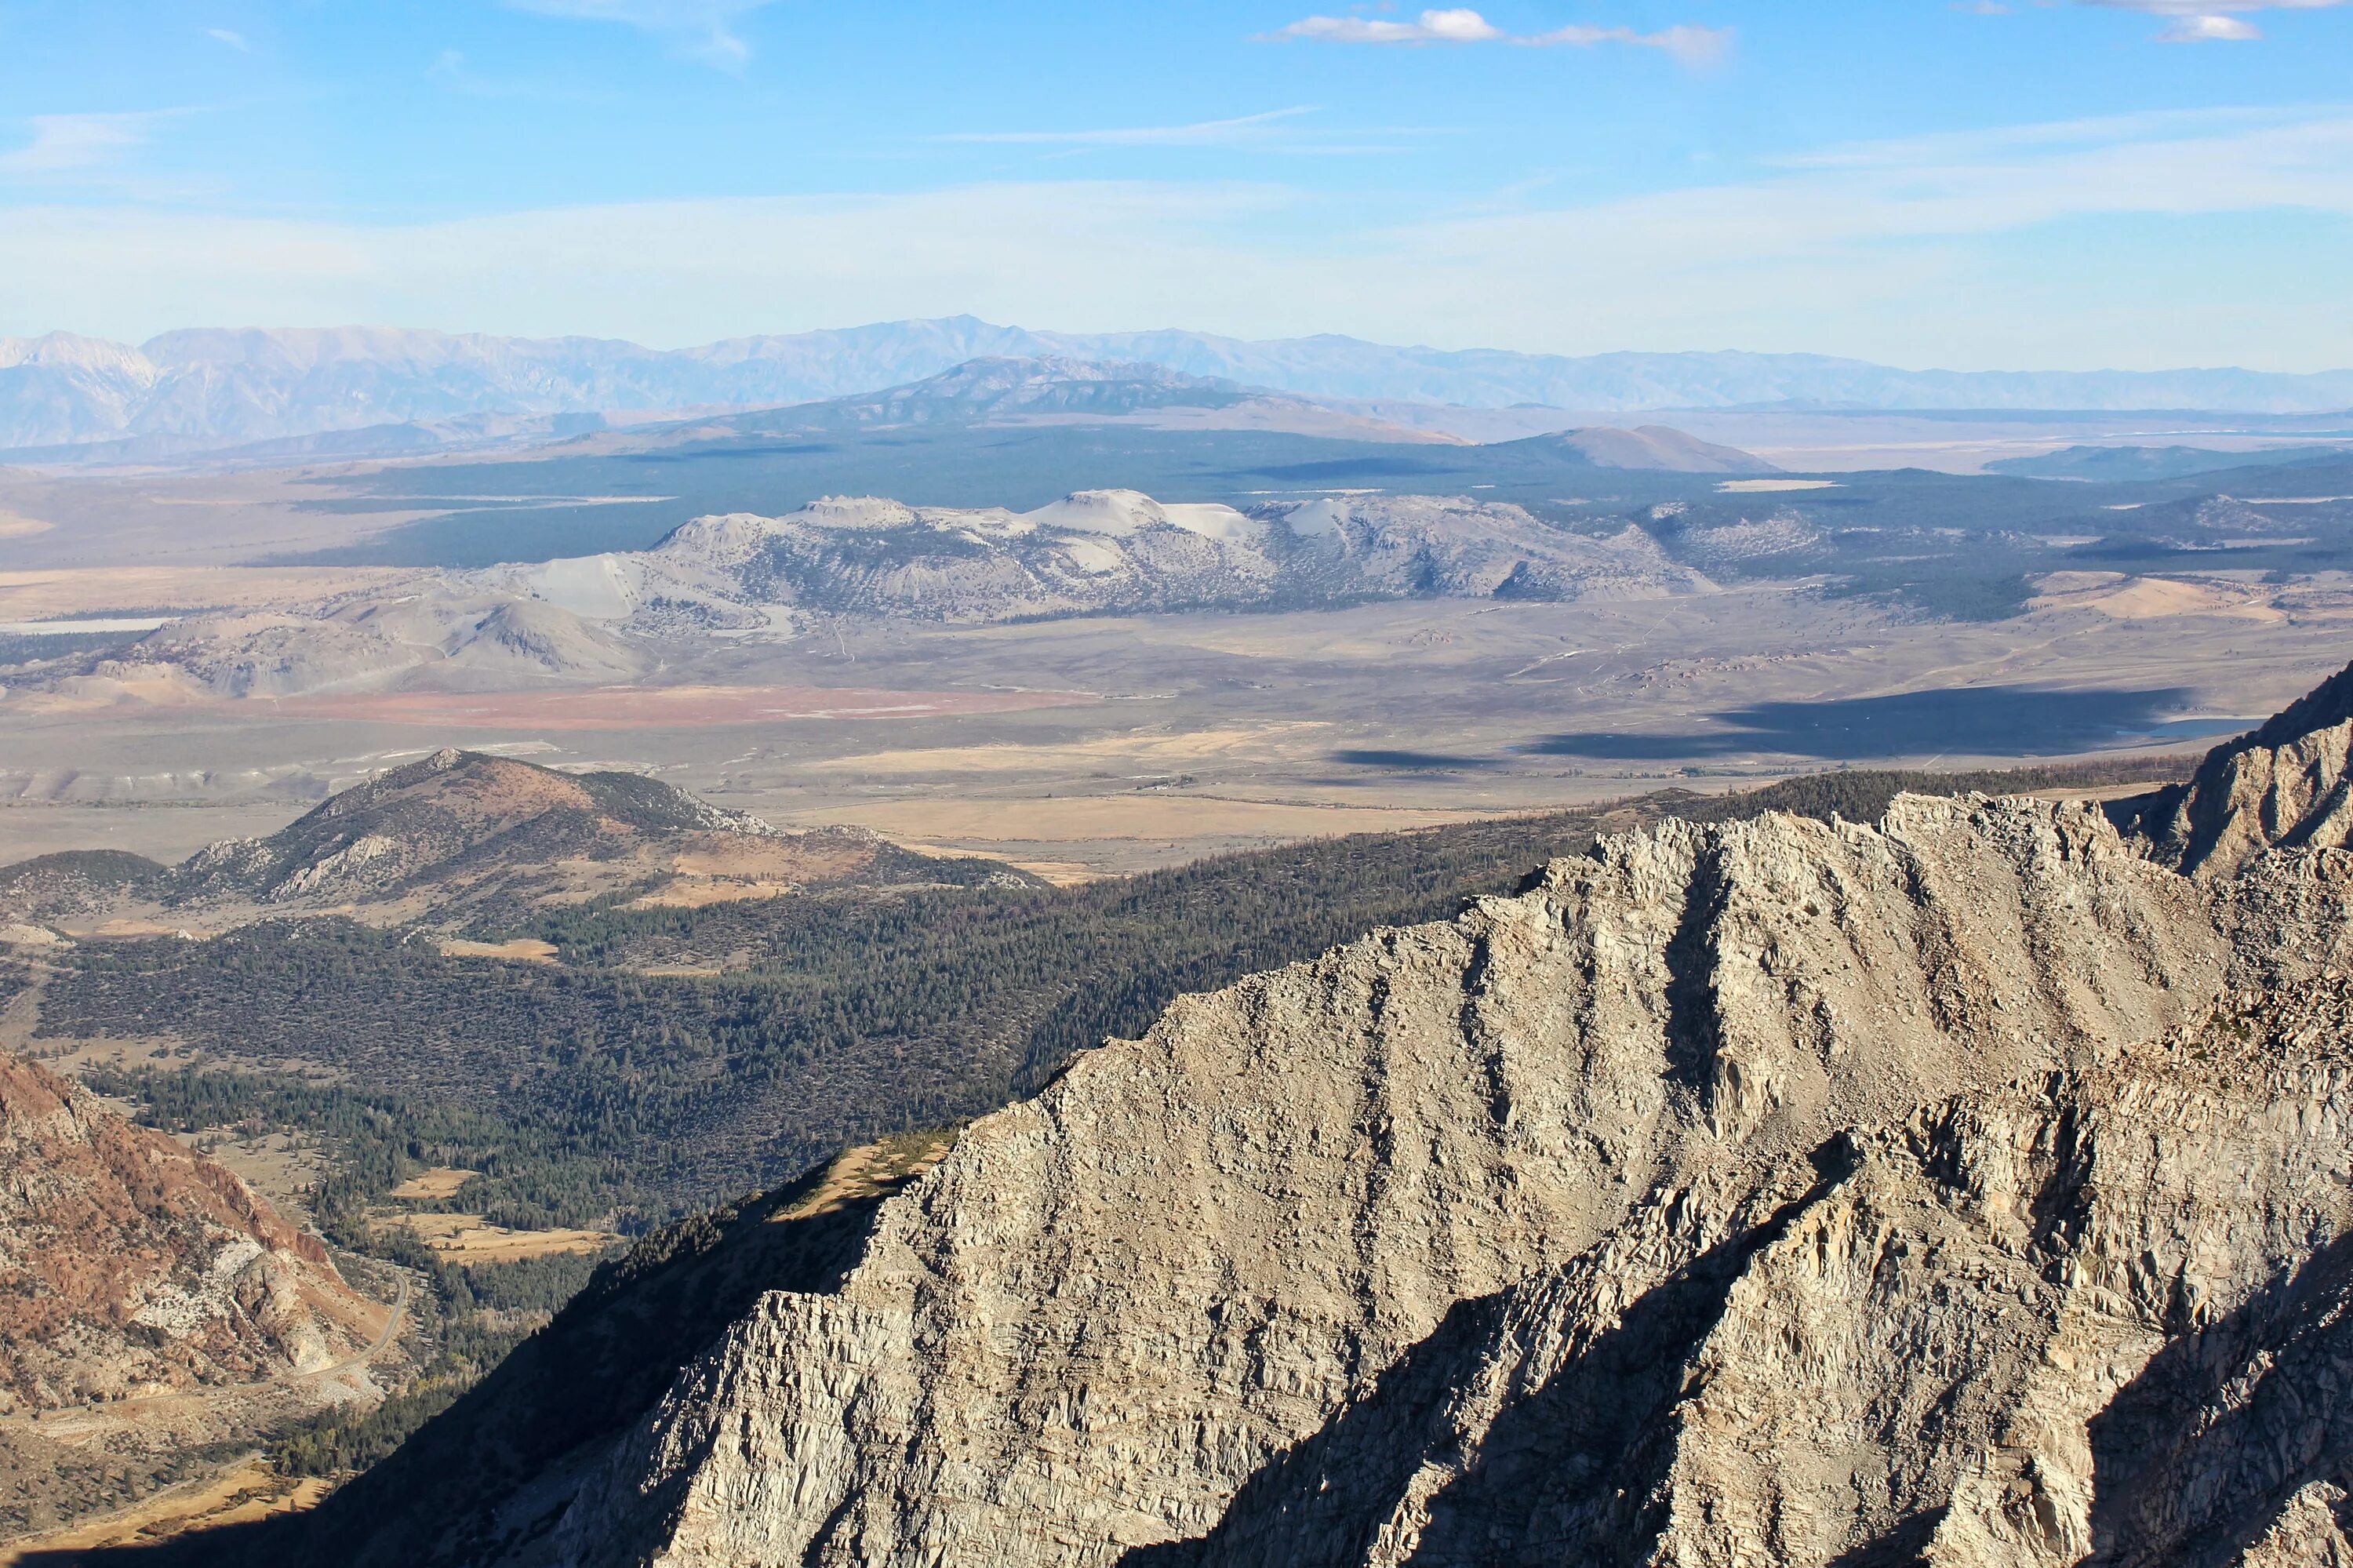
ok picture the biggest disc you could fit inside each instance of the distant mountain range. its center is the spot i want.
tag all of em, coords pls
(1073, 391)
(205, 390)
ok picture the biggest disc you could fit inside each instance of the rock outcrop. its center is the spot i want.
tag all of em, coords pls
(2286, 784)
(614, 617)
(1972, 1188)
(1118, 550)
(130, 1267)
(1109, 1310)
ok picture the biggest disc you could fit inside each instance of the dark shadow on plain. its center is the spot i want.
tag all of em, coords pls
(1414, 762)
(1975, 721)
(1369, 467)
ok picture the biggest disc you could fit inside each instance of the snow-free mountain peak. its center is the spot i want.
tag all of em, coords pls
(203, 390)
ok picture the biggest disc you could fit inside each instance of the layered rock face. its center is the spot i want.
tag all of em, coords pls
(1972, 1188)
(130, 1267)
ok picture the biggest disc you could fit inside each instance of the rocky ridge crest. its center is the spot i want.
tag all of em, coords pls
(1973, 1187)
(2286, 784)
(1099, 551)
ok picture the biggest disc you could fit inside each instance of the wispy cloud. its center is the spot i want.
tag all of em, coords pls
(1450, 27)
(234, 40)
(699, 29)
(72, 143)
(2005, 143)
(451, 70)
(2210, 30)
(1690, 43)
(1694, 46)
(2210, 7)
(2211, 21)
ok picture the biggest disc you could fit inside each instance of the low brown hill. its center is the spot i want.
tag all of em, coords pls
(130, 1266)
(461, 836)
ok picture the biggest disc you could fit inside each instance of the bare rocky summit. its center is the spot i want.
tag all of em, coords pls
(1974, 1187)
(2287, 784)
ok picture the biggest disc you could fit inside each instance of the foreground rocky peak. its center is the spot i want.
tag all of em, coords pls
(130, 1265)
(1970, 1187)
(1255, 1214)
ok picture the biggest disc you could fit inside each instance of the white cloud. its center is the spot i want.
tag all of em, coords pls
(2210, 30)
(700, 30)
(2211, 21)
(1694, 46)
(1933, 249)
(1460, 26)
(1691, 44)
(68, 143)
(234, 40)
(2213, 7)
(1243, 131)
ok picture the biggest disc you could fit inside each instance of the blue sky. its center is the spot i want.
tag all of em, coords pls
(2139, 183)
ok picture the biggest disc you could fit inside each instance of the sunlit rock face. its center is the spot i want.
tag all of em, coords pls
(1972, 1187)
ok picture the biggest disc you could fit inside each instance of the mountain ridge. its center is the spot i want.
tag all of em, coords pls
(606, 617)
(1969, 1186)
(131, 1266)
(202, 387)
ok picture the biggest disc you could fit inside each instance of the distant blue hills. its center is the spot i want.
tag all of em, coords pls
(207, 388)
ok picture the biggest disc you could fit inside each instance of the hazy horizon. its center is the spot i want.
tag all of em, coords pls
(1166, 330)
(2131, 185)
